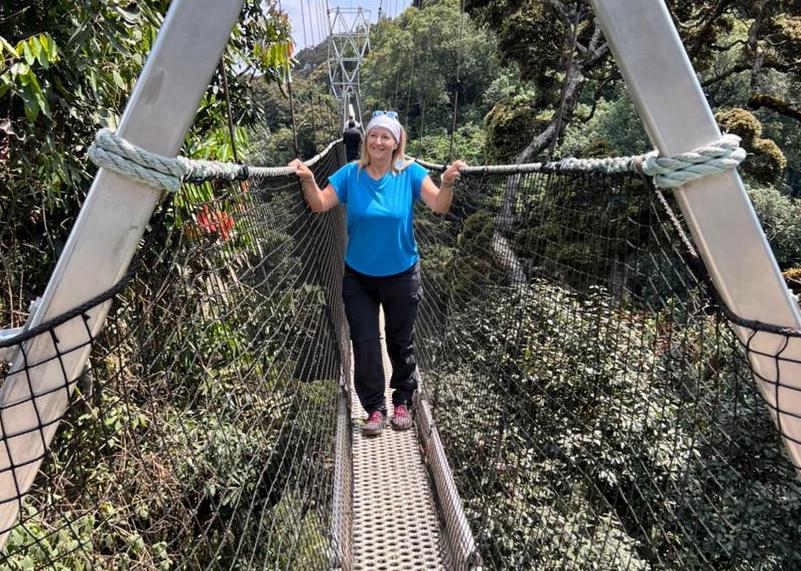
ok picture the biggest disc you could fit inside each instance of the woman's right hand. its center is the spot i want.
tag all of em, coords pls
(452, 173)
(304, 173)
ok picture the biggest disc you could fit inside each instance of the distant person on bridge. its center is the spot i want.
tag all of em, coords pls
(353, 139)
(381, 260)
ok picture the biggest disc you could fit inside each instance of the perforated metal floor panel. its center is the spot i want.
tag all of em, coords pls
(395, 523)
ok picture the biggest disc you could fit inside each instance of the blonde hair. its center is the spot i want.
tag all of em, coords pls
(399, 161)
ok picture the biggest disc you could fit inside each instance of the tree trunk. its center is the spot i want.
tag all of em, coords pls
(575, 81)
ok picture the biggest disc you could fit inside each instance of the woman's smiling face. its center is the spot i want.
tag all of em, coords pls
(380, 143)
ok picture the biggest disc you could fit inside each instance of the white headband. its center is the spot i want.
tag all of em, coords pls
(387, 123)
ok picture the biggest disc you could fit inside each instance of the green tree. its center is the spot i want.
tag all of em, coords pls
(66, 69)
(317, 119)
(558, 46)
(423, 61)
(745, 53)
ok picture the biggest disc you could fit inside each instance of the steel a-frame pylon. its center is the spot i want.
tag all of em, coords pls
(348, 43)
(725, 229)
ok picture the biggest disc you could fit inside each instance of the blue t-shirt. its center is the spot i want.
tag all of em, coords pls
(380, 231)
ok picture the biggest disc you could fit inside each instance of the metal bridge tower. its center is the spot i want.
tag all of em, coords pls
(348, 43)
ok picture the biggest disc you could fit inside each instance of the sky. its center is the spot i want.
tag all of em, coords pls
(309, 21)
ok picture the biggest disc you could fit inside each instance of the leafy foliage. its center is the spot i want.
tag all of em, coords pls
(766, 162)
(316, 120)
(454, 58)
(781, 220)
(595, 439)
(66, 69)
(629, 425)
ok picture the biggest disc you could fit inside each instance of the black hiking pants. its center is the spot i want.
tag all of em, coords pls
(399, 295)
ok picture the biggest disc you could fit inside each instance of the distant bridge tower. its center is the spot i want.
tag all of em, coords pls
(348, 43)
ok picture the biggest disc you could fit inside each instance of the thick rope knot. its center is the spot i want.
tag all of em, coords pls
(670, 172)
(156, 171)
(114, 153)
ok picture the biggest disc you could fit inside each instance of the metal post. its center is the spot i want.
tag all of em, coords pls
(104, 239)
(717, 209)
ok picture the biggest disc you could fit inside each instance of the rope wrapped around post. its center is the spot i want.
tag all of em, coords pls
(112, 152)
(156, 171)
(670, 172)
(667, 172)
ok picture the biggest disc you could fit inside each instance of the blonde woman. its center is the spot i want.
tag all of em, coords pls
(381, 260)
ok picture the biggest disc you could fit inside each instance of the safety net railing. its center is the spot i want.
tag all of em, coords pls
(597, 409)
(202, 435)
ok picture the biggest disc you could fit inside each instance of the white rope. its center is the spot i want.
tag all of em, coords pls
(116, 154)
(162, 173)
(668, 172)
(112, 152)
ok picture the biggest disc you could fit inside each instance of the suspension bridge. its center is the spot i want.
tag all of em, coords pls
(603, 378)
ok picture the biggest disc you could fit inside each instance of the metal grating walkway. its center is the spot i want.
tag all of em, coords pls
(395, 524)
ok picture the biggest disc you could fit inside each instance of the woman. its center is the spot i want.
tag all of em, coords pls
(381, 259)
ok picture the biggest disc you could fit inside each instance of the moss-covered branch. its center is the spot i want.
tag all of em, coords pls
(776, 104)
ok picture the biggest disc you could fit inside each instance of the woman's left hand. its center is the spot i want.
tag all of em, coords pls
(453, 172)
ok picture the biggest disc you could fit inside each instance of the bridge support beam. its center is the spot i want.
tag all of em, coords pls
(717, 209)
(102, 243)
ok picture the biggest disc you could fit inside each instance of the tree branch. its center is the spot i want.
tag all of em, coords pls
(780, 106)
(561, 13)
(718, 48)
(575, 81)
(705, 25)
(597, 34)
(757, 54)
(597, 97)
(13, 15)
(740, 67)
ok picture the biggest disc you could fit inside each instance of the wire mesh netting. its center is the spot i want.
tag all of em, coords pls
(203, 433)
(597, 411)
(596, 408)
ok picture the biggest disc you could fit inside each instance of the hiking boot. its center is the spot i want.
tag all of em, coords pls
(402, 419)
(374, 425)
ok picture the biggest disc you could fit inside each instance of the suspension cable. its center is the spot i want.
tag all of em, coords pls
(303, 24)
(409, 91)
(292, 111)
(421, 96)
(459, 54)
(288, 71)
